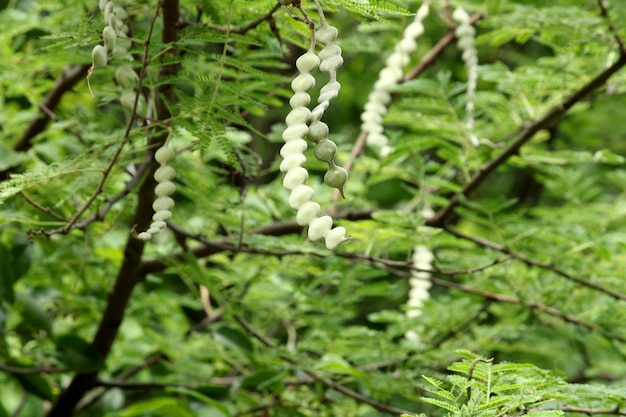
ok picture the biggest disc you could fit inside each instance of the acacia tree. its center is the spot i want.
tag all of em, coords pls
(179, 237)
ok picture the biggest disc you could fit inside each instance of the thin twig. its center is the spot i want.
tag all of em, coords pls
(46, 210)
(244, 29)
(604, 12)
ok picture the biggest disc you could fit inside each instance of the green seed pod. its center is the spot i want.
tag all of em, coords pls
(327, 34)
(128, 100)
(99, 56)
(164, 155)
(126, 76)
(317, 131)
(325, 150)
(336, 177)
(164, 189)
(109, 36)
(164, 173)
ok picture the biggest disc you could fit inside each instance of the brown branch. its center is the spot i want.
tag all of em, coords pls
(128, 274)
(548, 120)
(244, 29)
(533, 262)
(604, 12)
(18, 370)
(46, 210)
(326, 382)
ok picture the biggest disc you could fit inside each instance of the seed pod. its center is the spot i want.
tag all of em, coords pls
(144, 236)
(108, 10)
(317, 131)
(327, 34)
(162, 203)
(162, 215)
(128, 100)
(336, 177)
(153, 230)
(103, 4)
(335, 237)
(298, 115)
(325, 150)
(99, 56)
(303, 82)
(307, 213)
(295, 132)
(300, 195)
(126, 76)
(164, 173)
(320, 227)
(294, 177)
(159, 225)
(109, 36)
(293, 147)
(299, 99)
(307, 62)
(164, 154)
(164, 189)
(292, 161)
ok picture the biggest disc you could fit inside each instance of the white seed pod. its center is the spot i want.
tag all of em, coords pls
(335, 237)
(460, 15)
(153, 230)
(329, 92)
(299, 99)
(325, 150)
(319, 227)
(376, 107)
(294, 177)
(126, 76)
(297, 131)
(164, 154)
(144, 236)
(372, 127)
(307, 62)
(162, 203)
(292, 147)
(109, 37)
(392, 73)
(161, 216)
(328, 52)
(372, 117)
(164, 189)
(108, 10)
(292, 161)
(164, 173)
(159, 225)
(465, 30)
(414, 30)
(99, 56)
(121, 13)
(307, 213)
(317, 131)
(298, 115)
(406, 45)
(331, 64)
(380, 96)
(102, 4)
(377, 140)
(300, 195)
(326, 34)
(303, 82)
(398, 60)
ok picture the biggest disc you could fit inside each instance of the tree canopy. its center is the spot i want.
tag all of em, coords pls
(178, 237)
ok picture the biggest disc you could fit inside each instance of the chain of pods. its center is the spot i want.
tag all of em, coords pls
(465, 34)
(388, 79)
(302, 122)
(163, 204)
(420, 285)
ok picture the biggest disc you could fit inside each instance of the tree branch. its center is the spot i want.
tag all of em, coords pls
(128, 274)
(604, 12)
(548, 120)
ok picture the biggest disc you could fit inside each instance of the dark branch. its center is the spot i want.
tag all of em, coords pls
(604, 12)
(547, 121)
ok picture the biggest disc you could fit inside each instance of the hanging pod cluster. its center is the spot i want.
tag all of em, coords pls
(302, 122)
(388, 80)
(116, 43)
(165, 188)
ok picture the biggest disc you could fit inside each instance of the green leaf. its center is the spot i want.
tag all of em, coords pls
(234, 337)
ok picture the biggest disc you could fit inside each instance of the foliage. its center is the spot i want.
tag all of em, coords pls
(231, 311)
